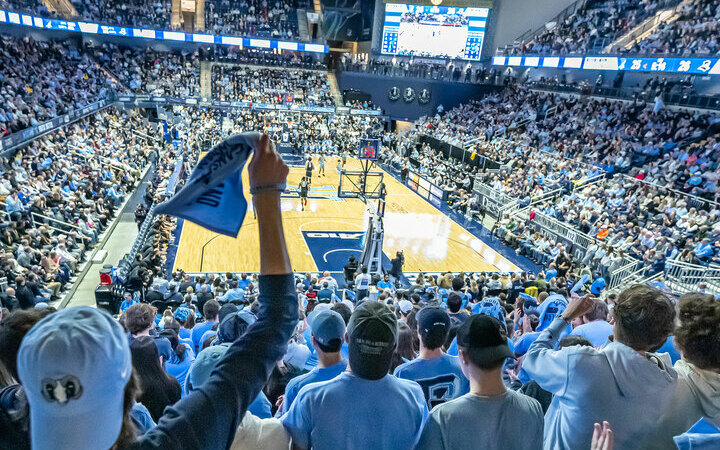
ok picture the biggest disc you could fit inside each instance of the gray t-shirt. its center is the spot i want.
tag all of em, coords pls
(511, 421)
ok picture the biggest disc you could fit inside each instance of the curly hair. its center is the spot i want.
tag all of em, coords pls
(644, 317)
(139, 318)
(698, 334)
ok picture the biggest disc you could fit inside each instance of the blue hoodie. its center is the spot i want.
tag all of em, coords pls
(615, 383)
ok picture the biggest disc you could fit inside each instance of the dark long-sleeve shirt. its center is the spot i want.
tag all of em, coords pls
(210, 415)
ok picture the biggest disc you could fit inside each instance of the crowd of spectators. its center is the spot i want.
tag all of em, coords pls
(59, 194)
(639, 180)
(612, 135)
(254, 18)
(693, 33)
(40, 80)
(583, 30)
(529, 361)
(136, 13)
(271, 86)
(262, 57)
(148, 71)
(453, 70)
(309, 133)
(277, 20)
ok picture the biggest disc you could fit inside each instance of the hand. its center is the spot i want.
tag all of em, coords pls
(281, 399)
(602, 437)
(578, 307)
(266, 166)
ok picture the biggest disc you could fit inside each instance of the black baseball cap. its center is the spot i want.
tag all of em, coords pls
(433, 323)
(372, 332)
(485, 338)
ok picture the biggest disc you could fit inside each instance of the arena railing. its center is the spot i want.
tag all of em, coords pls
(531, 34)
(23, 137)
(494, 202)
(665, 9)
(625, 276)
(692, 200)
(149, 101)
(103, 160)
(124, 266)
(685, 277)
(687, 100)
(44, 219)
(67, 227)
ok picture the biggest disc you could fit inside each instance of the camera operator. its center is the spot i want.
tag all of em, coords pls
(397, 267)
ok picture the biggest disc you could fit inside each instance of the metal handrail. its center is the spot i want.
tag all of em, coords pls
(69, 225)
(685, 100)
(529, 35)
(692, 198)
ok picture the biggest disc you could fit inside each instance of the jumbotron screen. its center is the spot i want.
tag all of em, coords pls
(434, 31)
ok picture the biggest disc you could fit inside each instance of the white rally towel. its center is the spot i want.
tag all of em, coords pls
(213, 196)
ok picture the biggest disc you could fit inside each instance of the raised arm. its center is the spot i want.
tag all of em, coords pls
(549, 367)
(210, 415)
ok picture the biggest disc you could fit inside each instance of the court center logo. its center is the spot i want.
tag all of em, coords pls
(424, 96)
(409, 94)
(394, 93)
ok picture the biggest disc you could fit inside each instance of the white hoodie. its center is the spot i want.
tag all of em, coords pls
(697, 395)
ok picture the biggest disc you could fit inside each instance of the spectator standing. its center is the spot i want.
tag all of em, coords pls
(490, 416)
(211, 309)
(624, 381)
(362, 284)
(328, 332)
(697, 393)
(594, 325)
(362, 399)
(438, 374)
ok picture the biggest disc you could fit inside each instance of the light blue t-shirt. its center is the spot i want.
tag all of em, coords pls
(198, 332)
(669, 348)
(441, 379)
(261, 407)
(382, 284)
(141, 418)
(314, 376)
(349, 412)
(524, 342)
(184, 333)
(596, 331)
(178, 369)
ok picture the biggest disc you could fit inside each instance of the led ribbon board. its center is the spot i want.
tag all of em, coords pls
(697, 66)
(146, 33)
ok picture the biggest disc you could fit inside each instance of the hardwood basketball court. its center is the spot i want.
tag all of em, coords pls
(331, 229)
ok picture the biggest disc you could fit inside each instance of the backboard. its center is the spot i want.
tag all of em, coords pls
(355, 184)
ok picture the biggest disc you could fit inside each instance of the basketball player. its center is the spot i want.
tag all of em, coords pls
(308, 170)
(303, 192)
(321, 166)
(340, 166)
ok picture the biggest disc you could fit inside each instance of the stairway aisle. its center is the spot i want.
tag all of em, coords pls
(61, 7)
(335, 89)
(647, 27)
(205, 79)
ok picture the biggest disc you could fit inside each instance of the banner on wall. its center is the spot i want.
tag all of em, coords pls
(697, 66)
